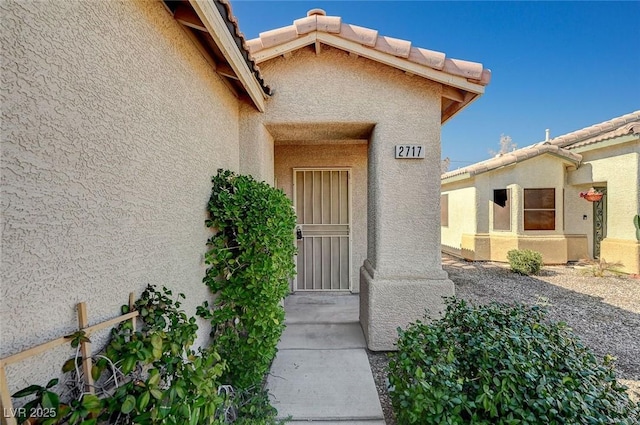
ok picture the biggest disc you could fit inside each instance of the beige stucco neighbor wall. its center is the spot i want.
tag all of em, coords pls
(112, 125)
(354, 157)
(403, 225)
(617, 168)
(462, 216)
(556, 246)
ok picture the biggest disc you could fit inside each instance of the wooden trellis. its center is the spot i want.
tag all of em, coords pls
(6, 404)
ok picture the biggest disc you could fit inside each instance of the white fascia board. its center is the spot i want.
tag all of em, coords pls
(281, 49)
(217, 27)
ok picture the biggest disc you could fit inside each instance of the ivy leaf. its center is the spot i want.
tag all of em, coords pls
(143, 400)
(128, 404)
(50, 400)
(31, 389)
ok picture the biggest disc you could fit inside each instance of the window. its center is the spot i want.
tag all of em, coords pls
(502, 209)
(539, 209)
(444, 210)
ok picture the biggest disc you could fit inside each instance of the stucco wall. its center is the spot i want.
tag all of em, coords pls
(462, 214)
(486, 243)
(112, 125)
(289, 157)
(334, 87)
(617, 168)
(544, 171)
(256, 148)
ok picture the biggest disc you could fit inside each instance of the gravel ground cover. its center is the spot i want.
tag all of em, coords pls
(603, 311)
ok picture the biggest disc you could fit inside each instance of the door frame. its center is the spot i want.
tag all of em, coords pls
(599, 218)
(294, 284)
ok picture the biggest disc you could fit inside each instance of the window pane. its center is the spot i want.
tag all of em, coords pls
(502, 209)
(539, 220)
(539, 199)
(444, 210)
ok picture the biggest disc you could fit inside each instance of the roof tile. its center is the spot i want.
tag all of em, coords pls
(628, 124)
(330, 24)
(278, 36)
(243, 45)
(619, 126)
(364, 36)
(426, 57)
(306, 25)
(393, 46)
(254, 45)
(463, 68)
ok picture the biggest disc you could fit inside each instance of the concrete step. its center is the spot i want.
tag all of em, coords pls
(328, 385)
(321, 308)
(308, 336)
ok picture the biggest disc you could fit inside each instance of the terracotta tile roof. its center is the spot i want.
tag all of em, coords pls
(317, 20)
(560, 146)
(514, 157)
(224, 6)
(616, 127)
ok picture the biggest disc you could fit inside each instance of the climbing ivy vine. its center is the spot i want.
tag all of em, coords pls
(251, 261)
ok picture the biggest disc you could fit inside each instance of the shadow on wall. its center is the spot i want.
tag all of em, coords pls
(605, 328)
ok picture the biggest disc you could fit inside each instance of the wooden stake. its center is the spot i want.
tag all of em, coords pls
(85, 349)
(132, 302)
(8, 418)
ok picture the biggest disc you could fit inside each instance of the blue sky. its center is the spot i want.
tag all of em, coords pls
(557, 65)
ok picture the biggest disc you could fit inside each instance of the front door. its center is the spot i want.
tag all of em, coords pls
(322, 198)
(599, 221)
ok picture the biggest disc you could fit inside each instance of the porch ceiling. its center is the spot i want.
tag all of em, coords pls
(320, 133)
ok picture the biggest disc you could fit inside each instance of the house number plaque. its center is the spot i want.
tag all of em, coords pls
(409, 151)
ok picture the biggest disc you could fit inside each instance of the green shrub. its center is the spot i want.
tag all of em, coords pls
(525, 261)
(499, 364)
(251, 262)
(146, 376)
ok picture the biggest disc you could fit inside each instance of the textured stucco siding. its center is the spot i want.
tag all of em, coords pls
(112, 125)
(334, 87)
(256, 148)
(403, 196)
(354, 157)
(542, 172)
(485, 243)
(462, 215)
(618, 169)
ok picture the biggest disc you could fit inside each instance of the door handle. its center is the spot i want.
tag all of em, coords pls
(298, 233)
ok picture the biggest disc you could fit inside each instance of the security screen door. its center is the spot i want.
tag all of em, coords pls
(322, 201)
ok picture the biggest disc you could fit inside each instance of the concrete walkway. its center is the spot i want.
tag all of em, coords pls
(321, 373)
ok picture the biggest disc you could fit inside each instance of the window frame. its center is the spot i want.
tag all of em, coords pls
(506, 207)
(551, 218)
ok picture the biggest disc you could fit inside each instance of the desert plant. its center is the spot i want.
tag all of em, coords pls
(600, 267)
(500, 364)
(636, 223)
(525, 261)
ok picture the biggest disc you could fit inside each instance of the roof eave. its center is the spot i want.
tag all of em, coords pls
(469, 174)
(606, 143)
(471, 89)
(456, 178)
(217, 28)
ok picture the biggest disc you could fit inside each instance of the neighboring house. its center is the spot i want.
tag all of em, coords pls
(115, 115)
(534, 198)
